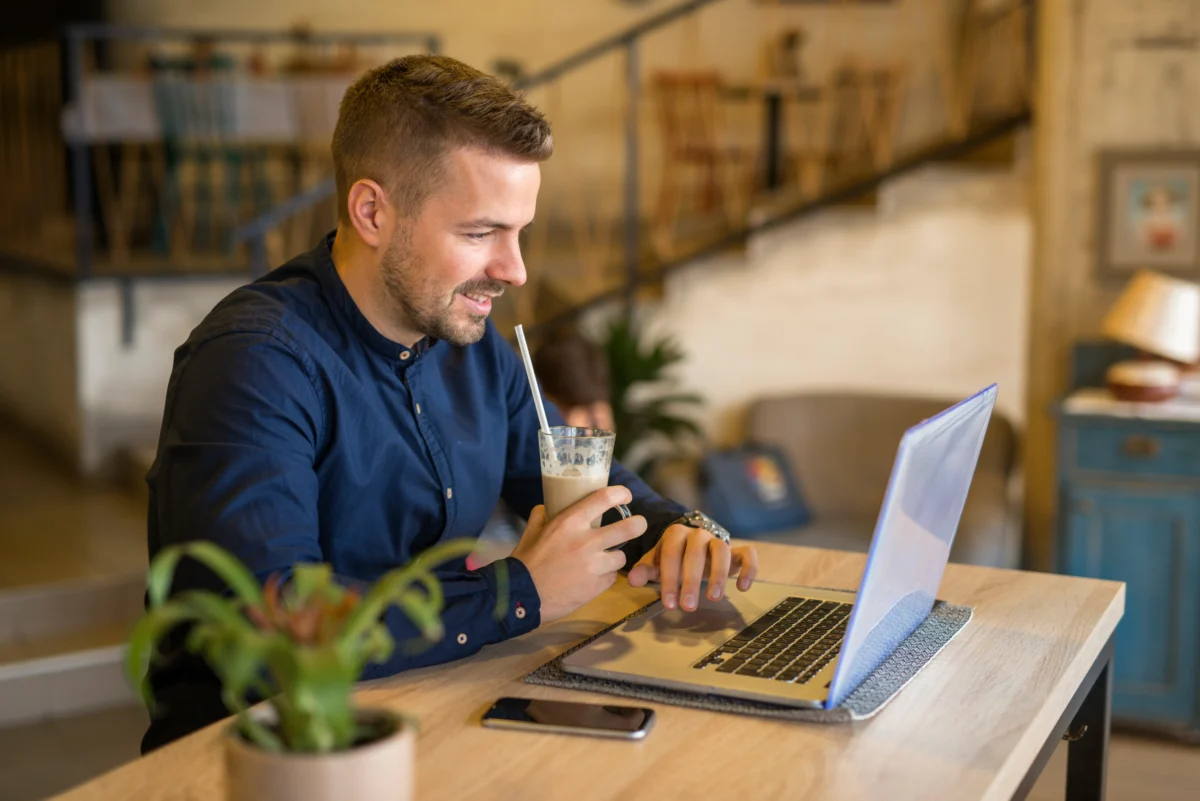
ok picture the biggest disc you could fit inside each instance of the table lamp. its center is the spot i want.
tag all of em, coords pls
(1160, 316)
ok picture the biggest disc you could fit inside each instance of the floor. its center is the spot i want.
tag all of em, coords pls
(43, 759)
(53, 528)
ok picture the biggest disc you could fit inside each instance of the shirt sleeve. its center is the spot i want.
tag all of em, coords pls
(237, 467)
(523, 474)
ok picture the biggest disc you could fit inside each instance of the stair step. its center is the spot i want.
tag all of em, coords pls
(998, 152)
(49, 610)
(62, 645)
(63, 675)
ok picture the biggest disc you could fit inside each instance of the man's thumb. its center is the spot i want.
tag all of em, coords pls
(643, 573)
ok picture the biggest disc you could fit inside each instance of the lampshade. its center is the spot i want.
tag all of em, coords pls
(1159, 315)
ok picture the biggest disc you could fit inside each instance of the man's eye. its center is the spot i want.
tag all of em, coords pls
(478, 237)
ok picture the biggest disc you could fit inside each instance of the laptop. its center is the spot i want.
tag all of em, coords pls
(805, 647)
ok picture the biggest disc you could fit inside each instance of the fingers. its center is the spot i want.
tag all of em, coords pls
(747, 556)
(612, 561)
(646, 570)
(622, 532)
(593, 507)
(533, 532)
(719, 558)
(695, 556)
(670, 562)
(536, 522)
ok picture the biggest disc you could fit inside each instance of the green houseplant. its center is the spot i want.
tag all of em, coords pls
(647, 414)
(301, 645)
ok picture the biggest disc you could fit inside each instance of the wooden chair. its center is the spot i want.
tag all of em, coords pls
(695, 138)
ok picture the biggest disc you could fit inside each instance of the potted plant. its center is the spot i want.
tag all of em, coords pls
(301, 645)
(650, 418)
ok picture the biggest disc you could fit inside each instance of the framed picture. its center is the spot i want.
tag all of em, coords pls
(1148, 213)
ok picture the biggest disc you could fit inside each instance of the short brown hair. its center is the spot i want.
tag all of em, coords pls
(572, 370)
(397, 122)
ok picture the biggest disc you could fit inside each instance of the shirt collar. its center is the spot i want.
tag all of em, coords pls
(335, 288)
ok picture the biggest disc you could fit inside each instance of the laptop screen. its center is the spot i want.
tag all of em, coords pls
(925, 497)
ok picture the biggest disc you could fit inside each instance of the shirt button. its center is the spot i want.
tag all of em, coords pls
(520, 613)
(462, 639)
(449, 493)
(404, 355)
(418, 408)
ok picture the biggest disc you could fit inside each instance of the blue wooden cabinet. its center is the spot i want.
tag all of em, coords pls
(1129, 510)
(1149, 539)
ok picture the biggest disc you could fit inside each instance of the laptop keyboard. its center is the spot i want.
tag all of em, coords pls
(792, 642)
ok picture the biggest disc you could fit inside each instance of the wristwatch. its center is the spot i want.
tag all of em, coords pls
(701, 520)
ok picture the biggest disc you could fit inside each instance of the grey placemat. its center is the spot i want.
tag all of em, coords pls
(942, 625)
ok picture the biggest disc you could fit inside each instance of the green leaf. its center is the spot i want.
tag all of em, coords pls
(309, 580)
(227, 567)
(259, 734)
(319, 715)
(143, 644)
(207, 606)
(395, 584)
(161, 573)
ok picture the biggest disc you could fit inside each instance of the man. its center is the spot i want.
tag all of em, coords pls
(356, 407)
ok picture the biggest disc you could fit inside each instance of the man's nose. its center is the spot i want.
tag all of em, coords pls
(508, 265)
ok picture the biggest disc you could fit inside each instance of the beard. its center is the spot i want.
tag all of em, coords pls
(429, 308)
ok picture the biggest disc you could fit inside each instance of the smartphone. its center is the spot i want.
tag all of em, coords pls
(562, 717)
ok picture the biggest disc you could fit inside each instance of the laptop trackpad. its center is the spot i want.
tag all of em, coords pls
(714, 620)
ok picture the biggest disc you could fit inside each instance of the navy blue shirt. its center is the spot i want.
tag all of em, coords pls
(295, 432)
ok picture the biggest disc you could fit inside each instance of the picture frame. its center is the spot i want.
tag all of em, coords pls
(1148, 213)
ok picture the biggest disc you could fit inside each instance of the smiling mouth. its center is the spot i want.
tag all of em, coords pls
(478, 303)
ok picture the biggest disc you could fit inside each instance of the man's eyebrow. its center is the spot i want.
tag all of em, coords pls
(484, 222)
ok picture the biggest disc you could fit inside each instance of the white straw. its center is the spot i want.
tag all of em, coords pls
(533, 384)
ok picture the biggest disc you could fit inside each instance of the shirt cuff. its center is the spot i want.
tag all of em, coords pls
(522, 610)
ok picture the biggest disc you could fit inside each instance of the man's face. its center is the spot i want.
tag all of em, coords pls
(444, 268)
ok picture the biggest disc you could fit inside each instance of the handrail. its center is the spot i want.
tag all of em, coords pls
(605, 46)
(840, 195)
(277, 214)
(569, 64)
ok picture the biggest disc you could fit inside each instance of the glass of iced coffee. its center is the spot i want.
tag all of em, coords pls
(575, 463)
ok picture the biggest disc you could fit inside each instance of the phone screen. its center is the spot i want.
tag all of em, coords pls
(528, 712)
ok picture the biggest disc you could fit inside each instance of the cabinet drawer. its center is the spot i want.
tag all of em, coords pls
(1137, 450)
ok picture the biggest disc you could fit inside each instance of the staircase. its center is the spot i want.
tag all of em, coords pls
(829, 139)
(62, 645)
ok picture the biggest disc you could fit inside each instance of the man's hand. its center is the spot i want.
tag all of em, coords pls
(684, 556)
(568, 559)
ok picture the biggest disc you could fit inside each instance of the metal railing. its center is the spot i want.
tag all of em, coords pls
(817, 139)
(151, 113)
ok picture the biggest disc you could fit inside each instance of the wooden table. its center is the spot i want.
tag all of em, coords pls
(978, 723)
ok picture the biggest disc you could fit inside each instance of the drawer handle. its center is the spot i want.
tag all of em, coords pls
(1139, 446)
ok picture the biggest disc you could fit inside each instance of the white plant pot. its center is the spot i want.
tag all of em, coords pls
(381, 770)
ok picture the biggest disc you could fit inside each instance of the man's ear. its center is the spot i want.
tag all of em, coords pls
(370, 213)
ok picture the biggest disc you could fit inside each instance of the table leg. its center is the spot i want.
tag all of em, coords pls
(1087, 757)
(1085, 724)
(773, 174)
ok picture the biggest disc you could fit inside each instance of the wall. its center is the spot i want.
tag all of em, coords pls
(38, 385)
(926, 296)
(1112, 74)
(121, 389)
